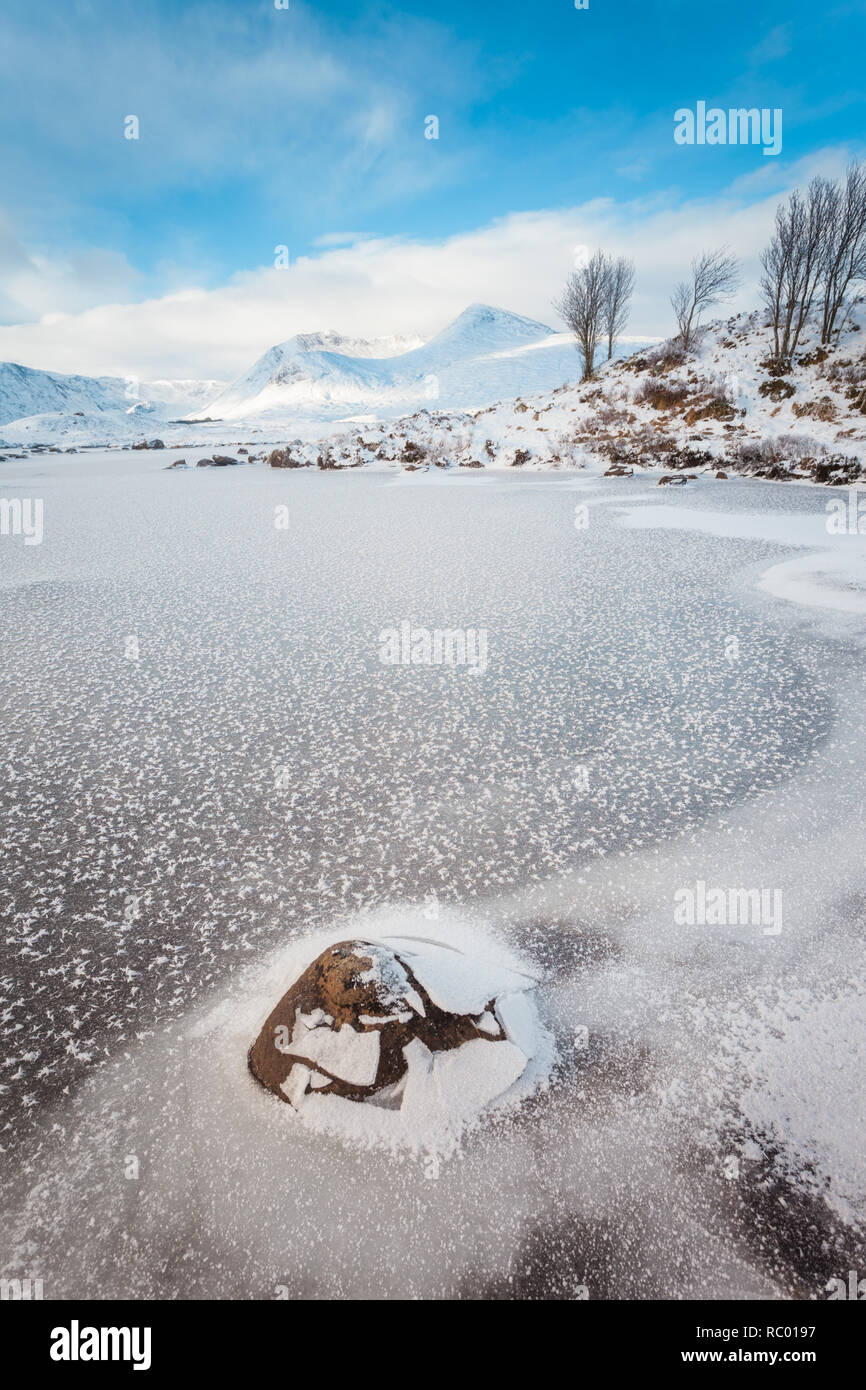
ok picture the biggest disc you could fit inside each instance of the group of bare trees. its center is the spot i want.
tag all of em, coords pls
(595, 304)
(596, 299)
(817, 256)
(815, 263)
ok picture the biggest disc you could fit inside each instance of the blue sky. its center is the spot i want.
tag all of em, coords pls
(305, 127)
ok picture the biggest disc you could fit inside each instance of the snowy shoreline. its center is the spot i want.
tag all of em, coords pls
(719, 407)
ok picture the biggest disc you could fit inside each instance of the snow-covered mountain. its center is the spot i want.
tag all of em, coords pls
(486, 354)
(26, 392)
(330, 341)
(305, 385)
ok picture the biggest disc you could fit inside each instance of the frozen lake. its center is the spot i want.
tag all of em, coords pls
(206, 757)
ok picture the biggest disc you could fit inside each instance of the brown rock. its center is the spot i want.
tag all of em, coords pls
(345, 1022)
(283, 458)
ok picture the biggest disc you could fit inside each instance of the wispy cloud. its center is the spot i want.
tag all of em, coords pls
(774, 45)
(36, 285)
(234, 103)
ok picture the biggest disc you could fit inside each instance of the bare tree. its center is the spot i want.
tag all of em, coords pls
(581, 305)
(776, 281)
(795, 261)
(618, 289)
(715, 275)
(844, 264)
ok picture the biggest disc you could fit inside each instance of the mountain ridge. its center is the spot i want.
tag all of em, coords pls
(31, 391)
(306, 370)
(306, 384)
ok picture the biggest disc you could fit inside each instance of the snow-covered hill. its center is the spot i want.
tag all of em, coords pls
(722, 407)
(26, 391)
(306, 369)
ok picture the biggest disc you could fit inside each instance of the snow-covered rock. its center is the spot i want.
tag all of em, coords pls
(366, 1021)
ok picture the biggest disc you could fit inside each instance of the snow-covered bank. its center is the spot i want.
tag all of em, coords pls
(722, 407)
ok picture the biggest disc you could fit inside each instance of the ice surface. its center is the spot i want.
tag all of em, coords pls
(295, 1085)
(180, 829)
(833, 576)
(448, 1089)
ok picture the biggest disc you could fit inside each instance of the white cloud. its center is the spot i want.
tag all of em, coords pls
(378, 286)
(38, 285)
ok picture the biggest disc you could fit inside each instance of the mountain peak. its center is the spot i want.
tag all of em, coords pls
(492, 328)
(478, 311)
